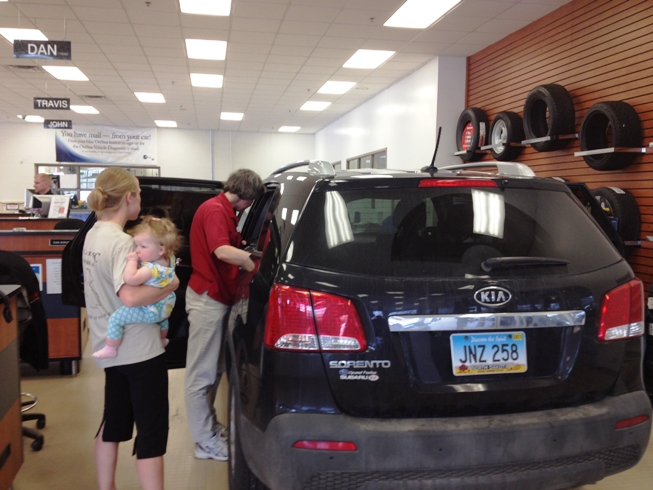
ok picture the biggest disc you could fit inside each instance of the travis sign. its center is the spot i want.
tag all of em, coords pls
(51, 103)
(42, 50)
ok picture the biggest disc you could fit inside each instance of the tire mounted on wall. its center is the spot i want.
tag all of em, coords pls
(620, 204)
(549, 111)
(470, 133)
(507, 127)
(610, 125)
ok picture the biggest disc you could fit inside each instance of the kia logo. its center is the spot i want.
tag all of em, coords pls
(492, 296)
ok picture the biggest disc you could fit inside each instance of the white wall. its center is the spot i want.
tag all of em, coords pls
(403, 119)
(180, 153)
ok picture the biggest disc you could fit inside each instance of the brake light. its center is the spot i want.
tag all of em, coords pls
(326, 445)
(622, 312)
(303, 320)
(456, 183)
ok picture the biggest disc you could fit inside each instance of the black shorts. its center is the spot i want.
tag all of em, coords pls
(137, 393)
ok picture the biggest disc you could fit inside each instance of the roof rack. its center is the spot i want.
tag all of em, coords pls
(505, 168)
(315, 167)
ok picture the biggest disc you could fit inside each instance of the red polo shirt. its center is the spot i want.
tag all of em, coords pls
(214, 225)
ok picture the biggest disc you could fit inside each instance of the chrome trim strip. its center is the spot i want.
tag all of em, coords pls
(485, 321)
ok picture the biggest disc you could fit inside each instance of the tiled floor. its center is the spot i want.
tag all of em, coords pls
(73, 408)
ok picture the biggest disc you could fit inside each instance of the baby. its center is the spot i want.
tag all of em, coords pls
(152, 264)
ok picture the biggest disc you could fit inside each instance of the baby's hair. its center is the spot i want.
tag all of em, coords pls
(161, 229)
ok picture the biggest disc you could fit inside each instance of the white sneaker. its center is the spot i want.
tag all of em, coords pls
(222, 432)
(218, 451)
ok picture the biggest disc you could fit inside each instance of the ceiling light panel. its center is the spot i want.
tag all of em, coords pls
(165, 124)
(313, 105)
(84, 109)
(150, 97)
(368, 58)
(34, 119)
(205, 49)
(231, 116)
(206, 80)
(419, 14)
(333, 87)
(205, 7)
(66, 73)
(289, 129)
(22, 34)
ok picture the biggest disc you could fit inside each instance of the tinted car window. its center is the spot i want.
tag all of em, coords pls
(446, 231)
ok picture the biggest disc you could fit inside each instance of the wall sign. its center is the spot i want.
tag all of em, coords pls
(58, 124)
(104, 144)
(51, 103)
(42, 50)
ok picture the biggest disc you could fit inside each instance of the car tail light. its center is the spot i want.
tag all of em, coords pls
(326, 445)
(303, 320)
(623, 424)
(456, 183)
(622, 312)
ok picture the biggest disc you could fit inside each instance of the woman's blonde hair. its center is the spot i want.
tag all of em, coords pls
(162, 230)
(111, 187)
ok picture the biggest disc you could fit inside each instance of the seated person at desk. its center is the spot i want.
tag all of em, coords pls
(42, 184)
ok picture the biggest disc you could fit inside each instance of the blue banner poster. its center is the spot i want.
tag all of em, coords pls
(102, 144)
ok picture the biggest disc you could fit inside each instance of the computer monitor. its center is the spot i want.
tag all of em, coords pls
(29, 193)
(42, 202)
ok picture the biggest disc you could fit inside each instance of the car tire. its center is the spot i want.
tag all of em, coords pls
(620, 204)
(507, 127)
(610, 125)
(470, 133)
(240, 476)
(549, 111)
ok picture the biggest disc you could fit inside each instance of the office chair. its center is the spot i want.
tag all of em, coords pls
(37, 443)
(69, 224)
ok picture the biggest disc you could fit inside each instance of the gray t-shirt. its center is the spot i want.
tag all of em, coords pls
(105, 256)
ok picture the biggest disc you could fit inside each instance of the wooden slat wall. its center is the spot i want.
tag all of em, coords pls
(599, 50)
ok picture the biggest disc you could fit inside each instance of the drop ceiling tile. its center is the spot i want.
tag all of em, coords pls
(526, 12)
(153, 17)
(170, 32)
(98, 14)
(258, 10)
(109, 27)
(254, 25)
(297, 40)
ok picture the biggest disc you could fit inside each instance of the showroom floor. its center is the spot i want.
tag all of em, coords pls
(73, 407)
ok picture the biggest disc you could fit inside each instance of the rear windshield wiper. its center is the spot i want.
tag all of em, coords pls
(507, 262)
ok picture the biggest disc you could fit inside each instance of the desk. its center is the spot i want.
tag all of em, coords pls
(67, 334)
(11, 437)
(8, 222)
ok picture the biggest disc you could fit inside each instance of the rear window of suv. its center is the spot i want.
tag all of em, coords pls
(395, 232)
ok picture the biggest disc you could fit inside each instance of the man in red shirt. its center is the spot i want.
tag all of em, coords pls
(216, 257)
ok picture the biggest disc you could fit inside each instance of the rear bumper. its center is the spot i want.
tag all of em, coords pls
(550, 449)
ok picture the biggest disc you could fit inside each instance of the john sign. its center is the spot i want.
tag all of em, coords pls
(42, 50)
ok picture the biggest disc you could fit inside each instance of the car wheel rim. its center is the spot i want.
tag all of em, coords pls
(499, 136)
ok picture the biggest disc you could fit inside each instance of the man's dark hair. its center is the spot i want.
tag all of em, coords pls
(245, 183)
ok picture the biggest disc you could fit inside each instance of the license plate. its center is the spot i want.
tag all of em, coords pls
(488, 353)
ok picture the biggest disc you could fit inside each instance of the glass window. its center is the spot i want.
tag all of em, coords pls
(446, 231)
(380, 160)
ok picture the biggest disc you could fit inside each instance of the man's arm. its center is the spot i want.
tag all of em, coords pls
(145, 295)
(234, 256)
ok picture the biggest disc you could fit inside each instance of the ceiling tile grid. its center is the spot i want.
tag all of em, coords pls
(279, 53)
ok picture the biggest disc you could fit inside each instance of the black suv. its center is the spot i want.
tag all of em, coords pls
(447, 328)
